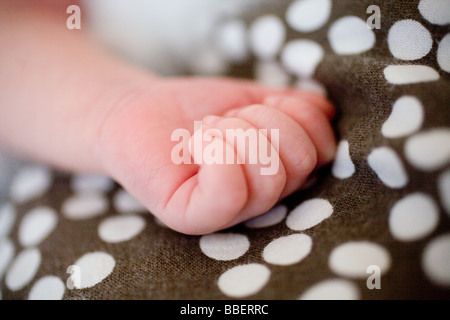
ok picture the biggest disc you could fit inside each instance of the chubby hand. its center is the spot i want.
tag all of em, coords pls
(190, 194)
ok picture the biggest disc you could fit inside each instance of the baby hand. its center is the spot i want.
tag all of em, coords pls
(196, 196)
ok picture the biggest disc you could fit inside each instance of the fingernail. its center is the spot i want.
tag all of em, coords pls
(273, 101)
(211, 120)
(231, 113)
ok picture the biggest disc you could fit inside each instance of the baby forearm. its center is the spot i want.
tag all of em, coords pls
(56, 87)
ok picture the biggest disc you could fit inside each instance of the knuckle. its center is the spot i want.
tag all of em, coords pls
(257, 112)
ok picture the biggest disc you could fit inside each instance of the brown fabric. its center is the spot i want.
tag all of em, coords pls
(161, 264)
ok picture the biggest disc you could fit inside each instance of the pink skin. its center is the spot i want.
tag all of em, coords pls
(98, 114)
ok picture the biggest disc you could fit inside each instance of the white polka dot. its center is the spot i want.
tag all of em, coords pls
(406, 118)
(343, 166)
(409, 40)
(270, 73)
(436, 260)
(84, 206)
(120, 228)
(270, 218)
(350, 35)
(288, 250)
(91, 183)
(23, 269)
(352, 259)
(244, 280)
(29, 183)
(308, 214)
(413, 217)
(231, 40)
(435, 11)
(124, 202)
(302, 57)
(224, 246)
(388, 167)
(308, 15)
(94, 268)
(429, 150)
(444, 189)
(443, 53)
(332, 289)
(36, 225)
(207, 61)
(47, 288)
(311, 85)
(267, 34)
(409, 74)
(7, 218)
(6, 254)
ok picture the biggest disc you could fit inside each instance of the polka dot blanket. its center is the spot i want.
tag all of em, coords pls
(374, 224)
